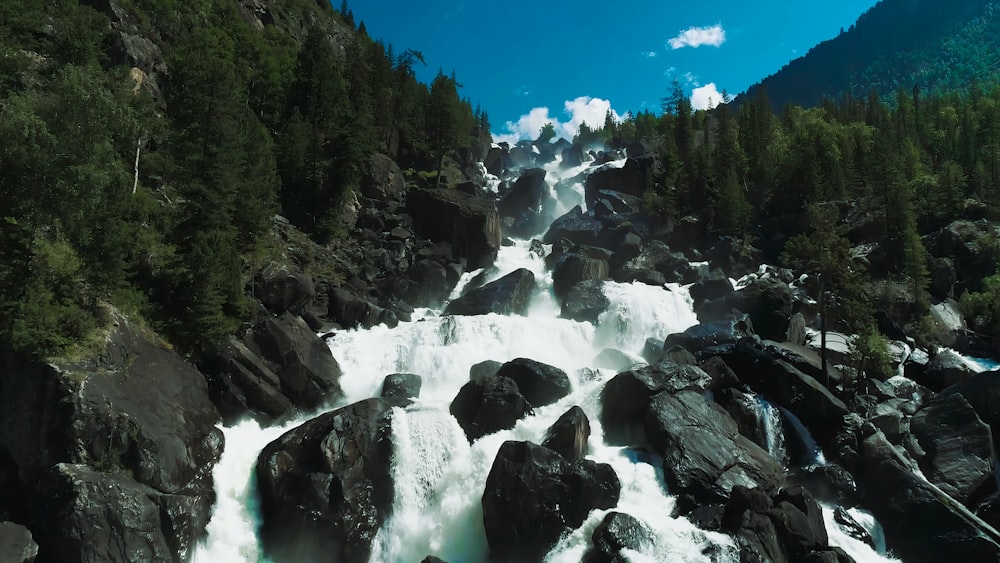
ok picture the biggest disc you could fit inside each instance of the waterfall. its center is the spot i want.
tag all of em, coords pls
(803, 449)
(439, 477)
(772, 428)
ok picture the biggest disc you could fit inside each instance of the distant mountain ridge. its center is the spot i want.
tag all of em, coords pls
(937, 46)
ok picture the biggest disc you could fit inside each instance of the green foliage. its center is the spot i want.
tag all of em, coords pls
(547, 133)
(870, 354)
(982, 308)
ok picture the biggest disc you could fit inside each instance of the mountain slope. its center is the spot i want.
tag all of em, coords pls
(936, 46)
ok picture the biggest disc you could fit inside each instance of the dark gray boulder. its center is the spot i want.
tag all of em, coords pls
(958, 444)
(470, 223)
(16, 544)
(309, 374)
(522, 203)
(616, 532)
(351, 310)
(768, 302)
(712, 286)
(585, 302)
(488, 404)
(657, 257)
(325, 486)
(508, 295)
(704, 456)
(945, 368)
(533, 495)
(383, 180)
(579, 228)
(401, 388)
(582, 264)
(708, 339)
(569, 434)
(628, 179)
(241, 382)
(541, 384)
(283, 288)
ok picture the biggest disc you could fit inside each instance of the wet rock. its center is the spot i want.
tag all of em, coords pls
(429, 284)
(569, 434)
(533, 495)
(920, 522)
(652, 350)
(959, 446)
(657, 257)
(788, 387)
(768, 301)
(799, 521)
(616, 532)
(541, 384)
(308, 372)
(16, 544)
(523, 201)
(240, 382)
(470, 223)
(982, 391)
(710, 338)
(94, 516)
(711, 287)
(704, 455)
(581, 265)
(796, 333)
(325, 486)
(497, 160)
(484, 406)
(626, 396)
(585, 302)
(831, 483)
(484, 369)
(612, 358)
(579, 228)
(508, 295)
(350, 310)
(628, 179)
(851, 527)
(401, 388)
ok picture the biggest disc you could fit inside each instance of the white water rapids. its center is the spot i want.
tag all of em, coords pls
(439, 477)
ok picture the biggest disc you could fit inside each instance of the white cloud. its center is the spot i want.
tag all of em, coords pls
(650, 54)
(582, 109)
(698, 36)
(690, 79)
(705, 97)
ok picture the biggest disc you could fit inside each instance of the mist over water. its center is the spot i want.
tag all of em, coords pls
(439, 477)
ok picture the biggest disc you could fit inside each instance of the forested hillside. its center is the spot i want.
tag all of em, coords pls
(145, 148)
(925, 44)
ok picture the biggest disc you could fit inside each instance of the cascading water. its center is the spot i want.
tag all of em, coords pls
(772, 428)
(438, 476)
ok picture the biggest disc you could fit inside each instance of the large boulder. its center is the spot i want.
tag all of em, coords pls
(579, 228)
(569, 434)
(788, 527)
(616, 532)
(946, 368)
(625, 398)
(768, 301)
(982, 391)
(585, 302)
(526, 194)
(921, 523)
(283, 288)
(708, 339)
(581, 265)
(541, 384)
(508, 295)
(657, 257)
(401, 388)
(136, 410)
(325, 486)
(533, 496)
(242, 382)
(704, 456)
(630, 178)
(309, 374)
(769, 374)
(712, 286)
(470, 223)
(488, 404)
(351, 310)
(959, 446)
(383, 180)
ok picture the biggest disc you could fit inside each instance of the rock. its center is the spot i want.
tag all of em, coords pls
(541, 384)
(982, 391)
(657, 257)
(947, 323)
(484, 369)
(831, 483)
(432, 559)
(745, 411)
(579, 228)
(920, 522)
(626, 396)
(325, 487)
(117, 411)
(796, 333)
(711, 287)
(745, 517)
(508, 295)
(283, 288)
(240, 381)
(575, 267)
(350, 310)
(946, 368)
(470, 223)
(851, 527)
(429, 284)
(612, 358)
(768, 301)
(533, 496)
(704, 455)
(652, 350)
(628, 179)
(94, 516)
(522, 203)
(309, 374)
(799, 522)
(401, 388)
(484, 406)
(788, 387)
(943, 278)
(709, 338)
(585, 301)
(497, 160)
(616, 532)
(383, 180)
(959, 446)
(16, 544)
(569, 434)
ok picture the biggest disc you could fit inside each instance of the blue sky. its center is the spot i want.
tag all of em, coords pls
(531, 62)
